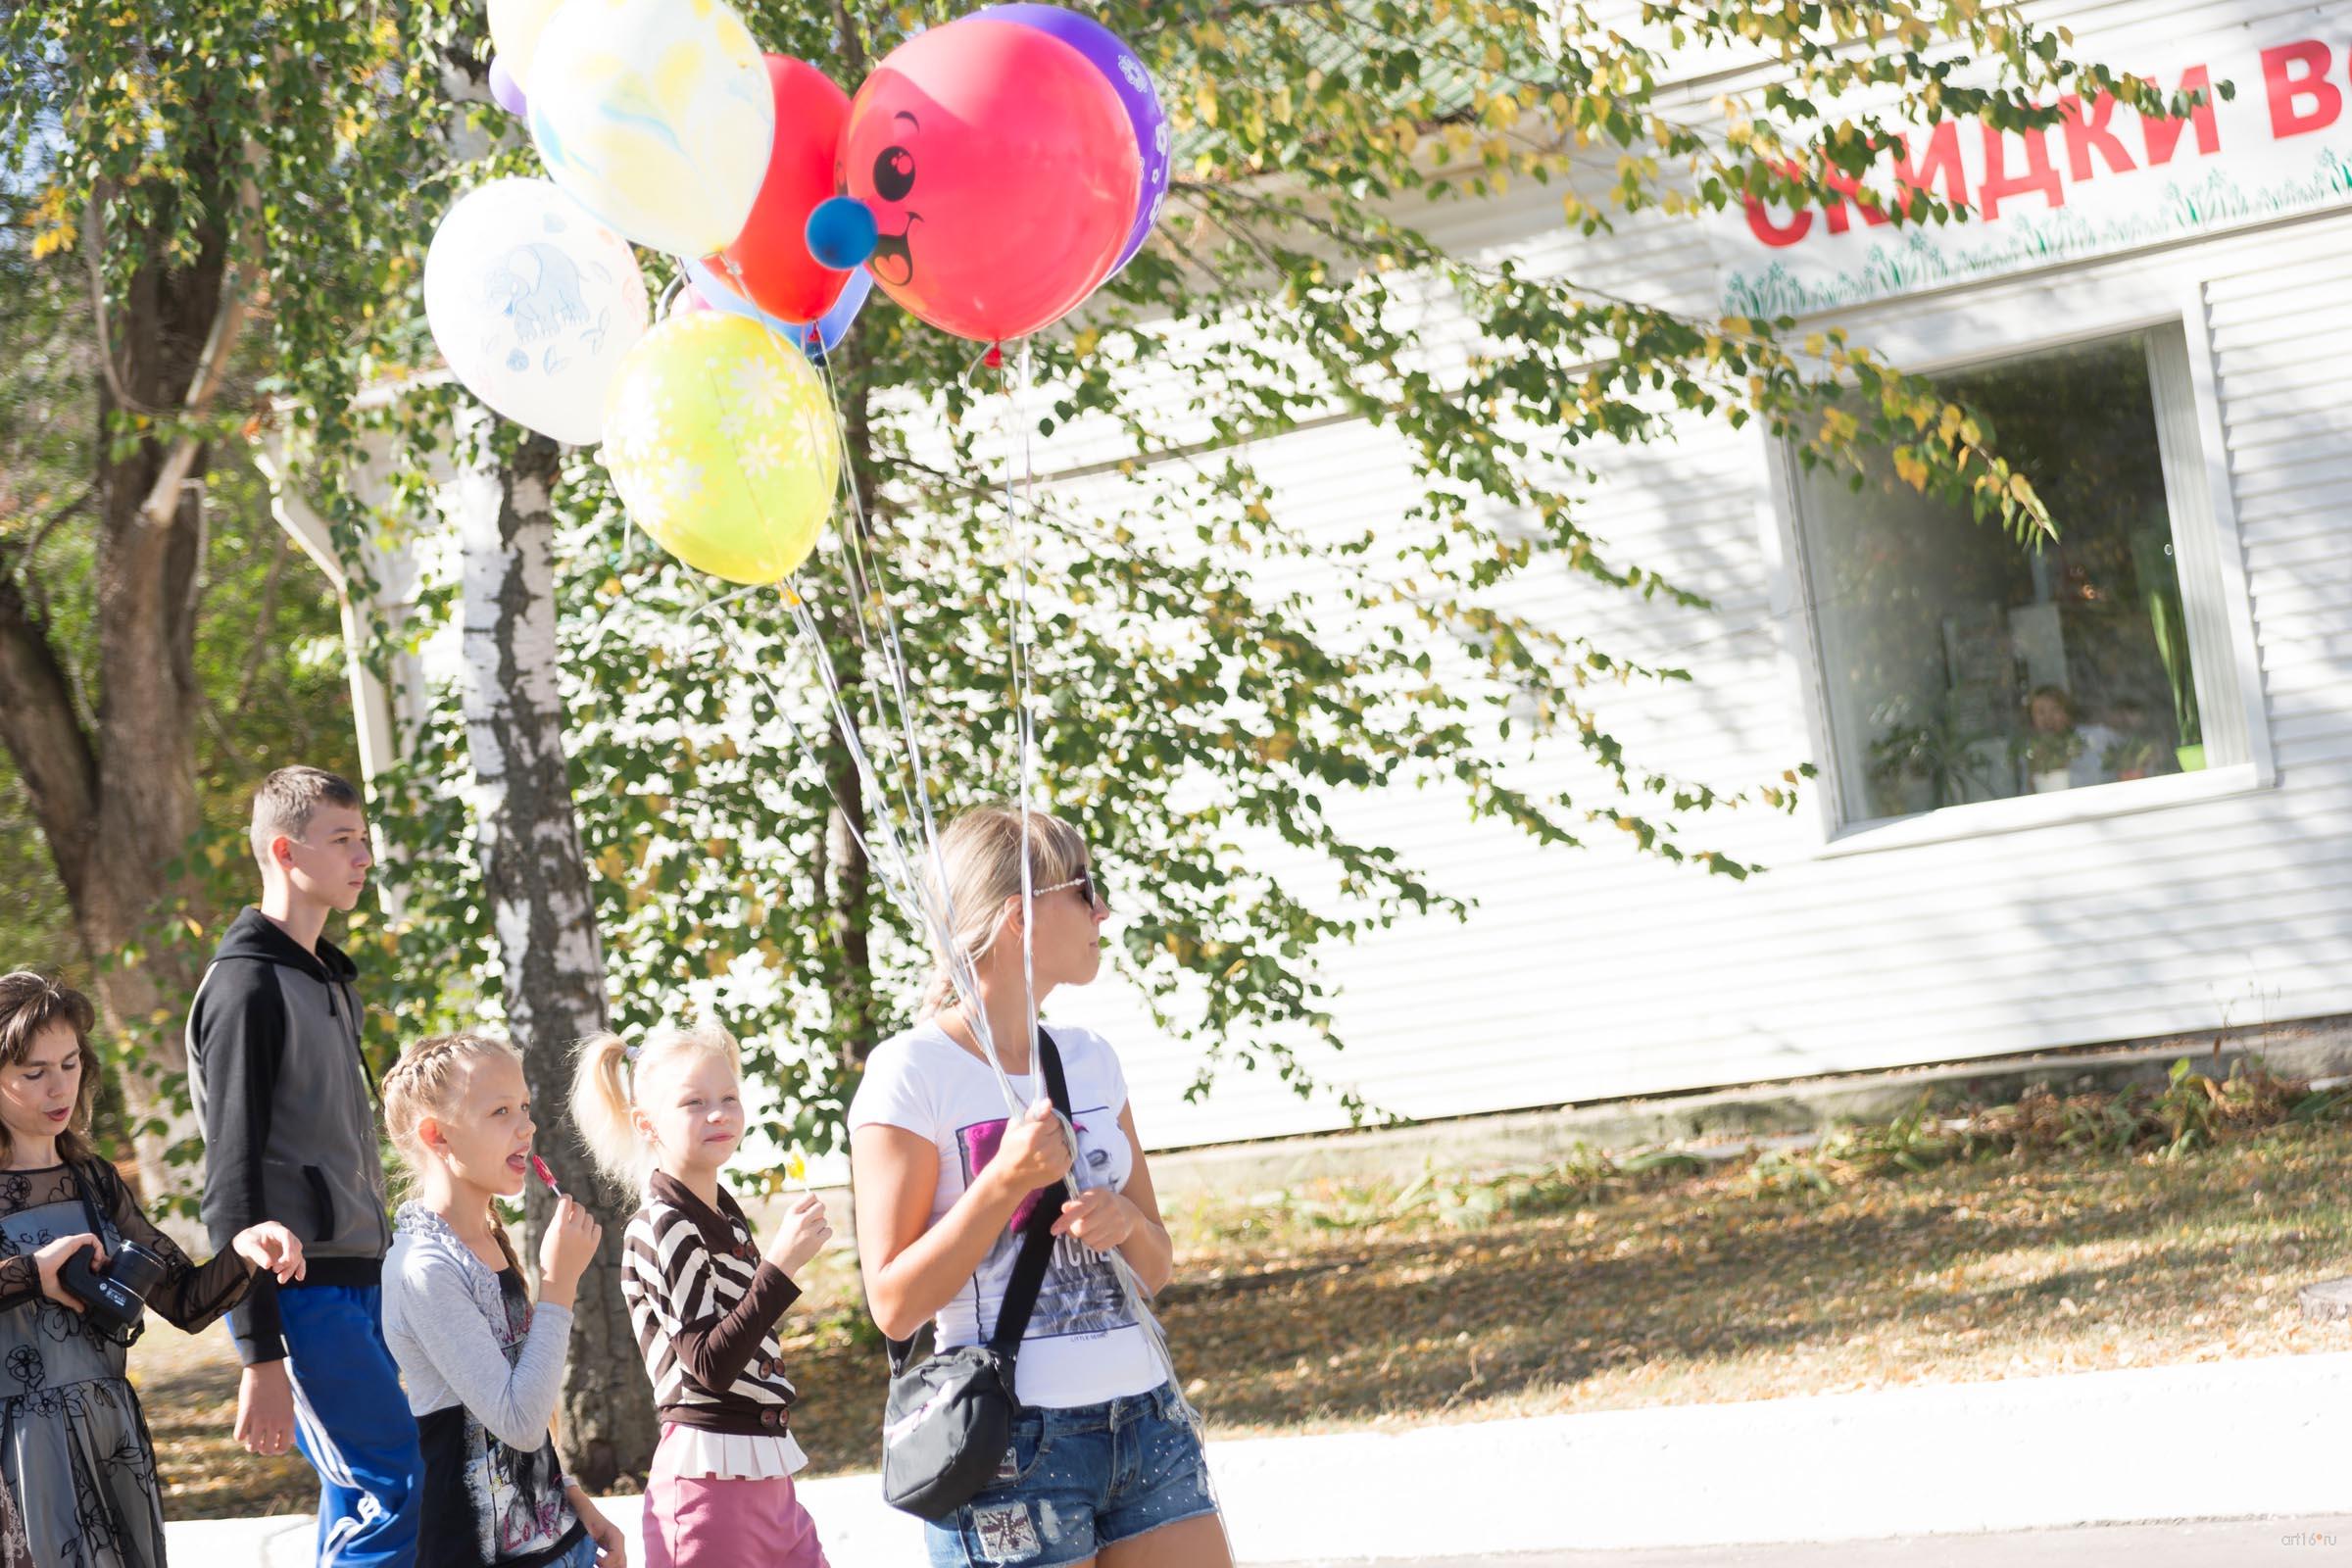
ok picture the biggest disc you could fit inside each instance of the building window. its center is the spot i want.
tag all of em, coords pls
(1959, 665)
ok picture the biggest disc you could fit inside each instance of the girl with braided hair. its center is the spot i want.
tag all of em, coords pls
(482, 1383)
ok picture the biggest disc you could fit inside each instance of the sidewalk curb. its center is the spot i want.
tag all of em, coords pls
(2205, 1440)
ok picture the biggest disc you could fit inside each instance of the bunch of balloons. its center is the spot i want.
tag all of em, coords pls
(1012, 161)
(988, 175)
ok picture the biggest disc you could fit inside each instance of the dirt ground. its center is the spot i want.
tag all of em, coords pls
(1321, 1308)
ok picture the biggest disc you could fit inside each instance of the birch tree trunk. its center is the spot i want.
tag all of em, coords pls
(536, 879)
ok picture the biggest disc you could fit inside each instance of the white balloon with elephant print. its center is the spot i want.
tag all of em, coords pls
(534, 305)
(657, 115)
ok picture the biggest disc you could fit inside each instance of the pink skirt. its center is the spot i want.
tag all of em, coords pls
(719, 1522)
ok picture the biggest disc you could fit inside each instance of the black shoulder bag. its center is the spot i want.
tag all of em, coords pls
(948, 1418)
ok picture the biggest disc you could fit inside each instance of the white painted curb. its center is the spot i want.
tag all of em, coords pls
(2209, 1441)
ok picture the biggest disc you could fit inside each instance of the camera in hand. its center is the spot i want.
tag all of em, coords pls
(116, 1292)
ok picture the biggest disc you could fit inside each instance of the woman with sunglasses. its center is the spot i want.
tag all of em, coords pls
(1105, 1464)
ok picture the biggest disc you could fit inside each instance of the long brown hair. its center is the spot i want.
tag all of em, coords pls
(30, 1003)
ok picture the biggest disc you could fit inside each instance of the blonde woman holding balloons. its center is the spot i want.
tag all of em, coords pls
(1105, 1463)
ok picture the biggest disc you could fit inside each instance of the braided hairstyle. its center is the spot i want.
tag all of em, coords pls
(428, 1081)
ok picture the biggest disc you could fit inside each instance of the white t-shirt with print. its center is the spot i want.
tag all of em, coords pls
(1083, 1346)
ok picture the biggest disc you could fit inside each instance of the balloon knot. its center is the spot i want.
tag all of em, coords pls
(994, 359)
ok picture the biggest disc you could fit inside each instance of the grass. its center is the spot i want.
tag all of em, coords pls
(2055, 1236)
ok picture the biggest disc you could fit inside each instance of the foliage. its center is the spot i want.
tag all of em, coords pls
(1938, 750)
(1204, 723)
(136, 222)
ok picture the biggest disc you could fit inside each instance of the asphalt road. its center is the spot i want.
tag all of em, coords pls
(2205, 1543)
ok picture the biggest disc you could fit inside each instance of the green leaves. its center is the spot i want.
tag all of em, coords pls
(1224, 664)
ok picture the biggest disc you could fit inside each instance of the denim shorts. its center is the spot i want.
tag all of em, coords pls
(1078, 1480)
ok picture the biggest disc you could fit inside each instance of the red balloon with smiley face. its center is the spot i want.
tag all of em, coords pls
(1001, 174)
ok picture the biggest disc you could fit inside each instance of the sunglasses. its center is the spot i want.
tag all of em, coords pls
(1084, 882)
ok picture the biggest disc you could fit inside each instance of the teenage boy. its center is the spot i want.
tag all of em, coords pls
(289, 1134)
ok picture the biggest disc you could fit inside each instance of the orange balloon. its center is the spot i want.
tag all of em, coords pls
(769, 261)
(1002, 172)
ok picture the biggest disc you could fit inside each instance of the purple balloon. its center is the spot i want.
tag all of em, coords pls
(506, 90)
(1124, 69)
(832, 326)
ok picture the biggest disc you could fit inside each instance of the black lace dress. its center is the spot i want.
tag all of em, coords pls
(74, 1448)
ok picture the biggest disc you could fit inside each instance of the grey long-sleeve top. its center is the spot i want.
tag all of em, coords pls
(447, 1325)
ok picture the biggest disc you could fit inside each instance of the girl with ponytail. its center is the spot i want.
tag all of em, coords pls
(482, 1384)
(946, 1179)
(666, 1115)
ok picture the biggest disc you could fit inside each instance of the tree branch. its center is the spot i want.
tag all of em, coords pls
(48, 524)
(44, 738)
(212, 371)
(263, 622)
(853, 44)
(93, 254)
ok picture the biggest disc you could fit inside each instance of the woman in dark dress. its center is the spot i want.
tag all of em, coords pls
(74, 1454)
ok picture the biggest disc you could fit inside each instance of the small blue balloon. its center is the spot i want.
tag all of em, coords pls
(841, 232)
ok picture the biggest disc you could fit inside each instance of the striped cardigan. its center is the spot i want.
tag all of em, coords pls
(705, 1307)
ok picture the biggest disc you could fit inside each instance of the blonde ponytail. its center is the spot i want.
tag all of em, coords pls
(981, 853)
(600, 1105)
(608, 1078)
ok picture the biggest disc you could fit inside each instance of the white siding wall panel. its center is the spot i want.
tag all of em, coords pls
(1587, 974)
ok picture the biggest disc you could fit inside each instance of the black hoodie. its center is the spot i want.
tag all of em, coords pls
(289, 1126)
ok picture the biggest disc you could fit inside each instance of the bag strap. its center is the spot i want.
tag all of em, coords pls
(1037, 1241)
(1029, 1273)
(84, 1183)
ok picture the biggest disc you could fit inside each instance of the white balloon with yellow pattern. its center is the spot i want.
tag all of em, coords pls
(655, 115)
(516, 29)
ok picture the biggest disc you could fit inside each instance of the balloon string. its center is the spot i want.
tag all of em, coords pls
(748, 659)
(1020, 481)
(938, 909)
(892, 866)
(1013, 385)
(865, 561)
(884, 849)
(927, 901)
(855, 577)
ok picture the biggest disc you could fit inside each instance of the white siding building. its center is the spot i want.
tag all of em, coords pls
(2168, 310)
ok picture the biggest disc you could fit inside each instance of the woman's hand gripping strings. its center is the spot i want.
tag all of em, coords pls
(1127, 1222)
(913, 1272)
